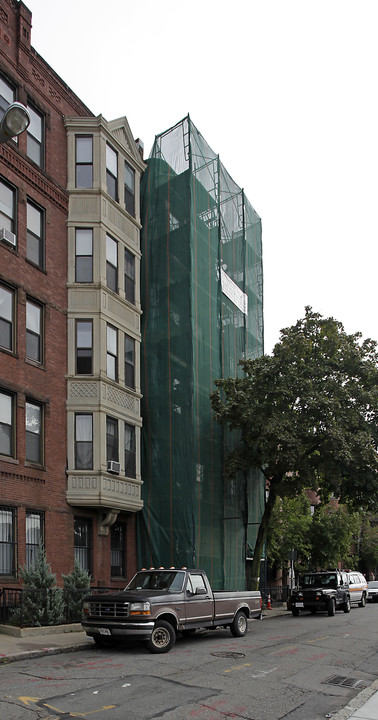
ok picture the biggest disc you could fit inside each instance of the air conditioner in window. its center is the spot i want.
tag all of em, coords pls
(8, 237)
(114, 467)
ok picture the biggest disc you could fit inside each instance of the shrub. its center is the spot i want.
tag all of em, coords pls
(42, 600)
(75, 586)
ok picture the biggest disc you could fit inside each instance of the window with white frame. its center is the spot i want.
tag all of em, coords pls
(130, 362)
(129, 186)
(111, 352)
(7, 424)
(7, 314)
(35, 234)
(130, 451)
(35, 136)
(34, 535)
(111, 263)
(84, 161)
(112, 172)
(7, 95)
(129, 276)
(112, 445)
(7, 207)
(84, 347)
(7, 541)
(84, 255)
(34, 323)
(34, 432)
(83, 441)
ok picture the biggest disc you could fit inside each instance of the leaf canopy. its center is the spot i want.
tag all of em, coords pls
(308, 413)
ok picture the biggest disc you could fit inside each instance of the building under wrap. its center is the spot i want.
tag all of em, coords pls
(202, 300)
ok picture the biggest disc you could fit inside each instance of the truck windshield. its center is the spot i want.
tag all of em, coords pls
(157, 580)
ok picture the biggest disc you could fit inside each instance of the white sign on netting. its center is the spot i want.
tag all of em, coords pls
(233, 292)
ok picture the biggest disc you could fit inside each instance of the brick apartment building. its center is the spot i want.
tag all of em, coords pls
(69, 325)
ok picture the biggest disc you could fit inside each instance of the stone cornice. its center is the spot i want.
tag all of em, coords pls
(22, 168)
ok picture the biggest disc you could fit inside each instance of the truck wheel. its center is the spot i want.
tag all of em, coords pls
(295, 612)
(362, 602)
(331, 607)
(162, 639)
(239, 625)
(103, 642)
(346, 606)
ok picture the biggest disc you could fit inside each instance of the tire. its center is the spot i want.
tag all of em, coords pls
(295, 612)
(362, 602)
(331, 607)
(105, 642)
(346, 606)
(239, 625)
(162, 639)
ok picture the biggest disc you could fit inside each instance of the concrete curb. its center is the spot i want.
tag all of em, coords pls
(357, 702)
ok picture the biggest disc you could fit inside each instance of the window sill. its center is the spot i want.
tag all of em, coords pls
(35, 363)
(35, 466)
(12, 461)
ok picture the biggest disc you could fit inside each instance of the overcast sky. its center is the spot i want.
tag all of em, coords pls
(284, 90)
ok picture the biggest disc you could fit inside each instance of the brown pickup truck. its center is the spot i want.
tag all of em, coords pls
(158, 603)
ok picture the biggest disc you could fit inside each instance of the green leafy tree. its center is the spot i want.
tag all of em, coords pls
(75, 586)
(307, 417)
(289, 530)
(368, 547)
(42, 600)
(333, 536)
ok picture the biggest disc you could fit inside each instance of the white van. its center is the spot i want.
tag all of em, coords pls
(358, 588)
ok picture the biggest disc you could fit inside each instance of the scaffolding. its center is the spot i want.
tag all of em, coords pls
(202, 300)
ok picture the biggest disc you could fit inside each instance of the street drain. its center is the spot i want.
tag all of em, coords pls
(343, 681)
(234, 655)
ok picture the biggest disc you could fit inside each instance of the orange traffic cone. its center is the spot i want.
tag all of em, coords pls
(269, 605)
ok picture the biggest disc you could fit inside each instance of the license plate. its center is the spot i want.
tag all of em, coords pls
(104, 631)
(299, 605)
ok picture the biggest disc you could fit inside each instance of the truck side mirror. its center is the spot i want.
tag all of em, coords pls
(200, 591)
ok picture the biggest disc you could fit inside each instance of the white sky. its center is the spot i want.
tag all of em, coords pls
(284, 90)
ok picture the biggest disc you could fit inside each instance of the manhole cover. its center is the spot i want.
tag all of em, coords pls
(344, 681)
(224, 654)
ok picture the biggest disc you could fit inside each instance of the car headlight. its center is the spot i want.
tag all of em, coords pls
(86, 608)
(140, 608)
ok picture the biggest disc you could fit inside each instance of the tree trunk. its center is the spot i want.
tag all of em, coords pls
(261, 537)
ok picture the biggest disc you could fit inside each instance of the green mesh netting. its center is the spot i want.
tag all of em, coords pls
(202, 311)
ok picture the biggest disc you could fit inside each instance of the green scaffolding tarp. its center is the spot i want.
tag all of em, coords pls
(202, 300)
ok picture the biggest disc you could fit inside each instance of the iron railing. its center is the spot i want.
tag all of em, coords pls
(15, 603)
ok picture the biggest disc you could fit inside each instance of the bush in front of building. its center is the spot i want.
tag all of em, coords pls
(75, 586)
(41, 600)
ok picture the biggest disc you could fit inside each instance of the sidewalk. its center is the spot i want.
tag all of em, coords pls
(45, 641)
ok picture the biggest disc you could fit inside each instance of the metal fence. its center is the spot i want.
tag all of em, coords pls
(15, 604)
(276, 594)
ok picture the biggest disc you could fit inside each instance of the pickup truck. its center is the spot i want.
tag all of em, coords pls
(326, 590)
(158, 603)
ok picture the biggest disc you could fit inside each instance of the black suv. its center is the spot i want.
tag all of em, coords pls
(321, 591)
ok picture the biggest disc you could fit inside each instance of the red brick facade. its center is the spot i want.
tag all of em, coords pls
(29, 486)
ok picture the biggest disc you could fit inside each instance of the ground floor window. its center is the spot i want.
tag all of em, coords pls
(118, 550)
(34, 535)
(7, 541)
(83, 543)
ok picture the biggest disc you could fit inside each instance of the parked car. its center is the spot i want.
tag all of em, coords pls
(372, 590)
(358, 587)
(327, 590)
(158, 603)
